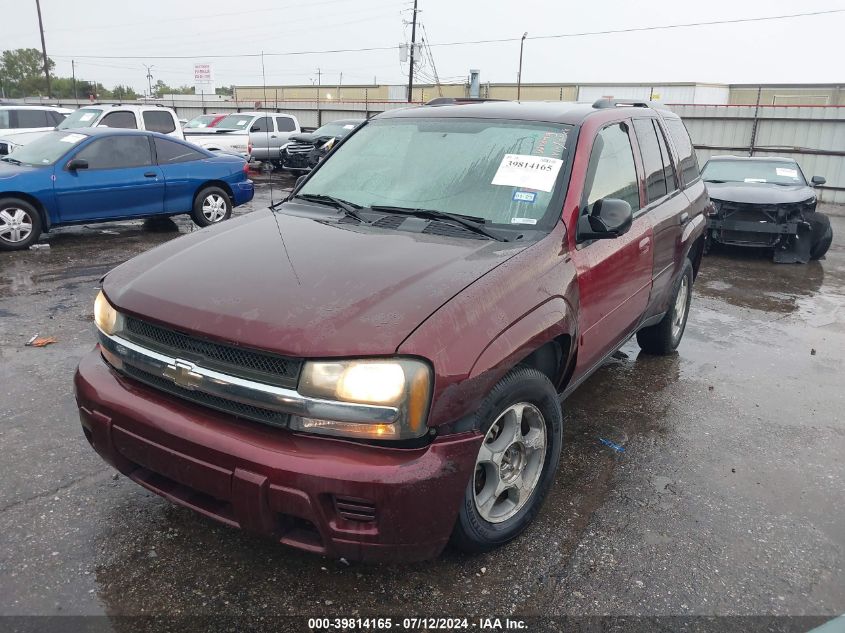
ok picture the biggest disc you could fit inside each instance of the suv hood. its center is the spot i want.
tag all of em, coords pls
(759, 192)
(301, 286)
(22, 138)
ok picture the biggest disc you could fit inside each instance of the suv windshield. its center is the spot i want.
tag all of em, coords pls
(777, 172)
(502, 171)
(85, 117)
(45, 150)
(235, 122)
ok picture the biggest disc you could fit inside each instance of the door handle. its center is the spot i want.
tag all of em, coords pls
(684, 218)
(644, 244)
(274, 136)
(150, 174)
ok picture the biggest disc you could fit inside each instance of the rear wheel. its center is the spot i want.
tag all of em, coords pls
(212, 205)
(822, 234)
(523, 429)
(664, 337)
(20, 224)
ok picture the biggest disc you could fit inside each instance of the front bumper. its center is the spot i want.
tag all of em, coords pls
(243, 192)
(327, 496)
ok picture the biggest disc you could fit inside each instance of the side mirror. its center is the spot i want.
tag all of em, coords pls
(299, 182)
(255, 128)
(609, 218)
(818, 180)
(77, 163)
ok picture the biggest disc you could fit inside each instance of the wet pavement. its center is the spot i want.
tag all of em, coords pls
(727, 498)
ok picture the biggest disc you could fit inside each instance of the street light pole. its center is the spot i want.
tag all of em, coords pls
(519, 74)
(413, 44)
(149, 80)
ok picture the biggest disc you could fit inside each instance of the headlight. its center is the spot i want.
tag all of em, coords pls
(328, 145)
(402, 384)
(105, 316)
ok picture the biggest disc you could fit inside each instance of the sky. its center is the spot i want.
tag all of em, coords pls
(96, 33)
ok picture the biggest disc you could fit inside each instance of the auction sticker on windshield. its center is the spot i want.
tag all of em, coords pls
(72, 138)
(529, 172)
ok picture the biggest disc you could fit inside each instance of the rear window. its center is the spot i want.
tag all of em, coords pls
(159, 121)
(686, 152)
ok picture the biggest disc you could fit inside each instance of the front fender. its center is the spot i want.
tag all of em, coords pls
(544, 323)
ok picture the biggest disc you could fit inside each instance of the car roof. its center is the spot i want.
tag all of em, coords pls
(767, 159)
(341, 121)
(568, 112)
(104, 131)
(33, 106)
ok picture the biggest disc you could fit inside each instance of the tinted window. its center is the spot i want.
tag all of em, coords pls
(285, 124)
(159, 121)
(262, 125)
(612, 173)
(652, 160)
(33, 118)
(4, 119)
(124, 120)
(169, 152)
(668, 165)
(117, 152)
(686, 153)
(56, 117)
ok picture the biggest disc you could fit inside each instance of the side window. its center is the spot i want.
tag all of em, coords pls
(158, 121)
(264, 124)
(612, 173)
(655, 178)
(56, 117)
(121, 119)
(668, 165)
(285, 124)
(32, 118)
(117, 152)
(686, 153)
(169, 152)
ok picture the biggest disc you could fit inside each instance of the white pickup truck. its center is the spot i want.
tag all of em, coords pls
(259, 135)
(133, 117)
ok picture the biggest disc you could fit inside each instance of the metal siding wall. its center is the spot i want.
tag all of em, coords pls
(781, 131)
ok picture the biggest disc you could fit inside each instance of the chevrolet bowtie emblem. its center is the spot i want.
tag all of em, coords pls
(182, 373)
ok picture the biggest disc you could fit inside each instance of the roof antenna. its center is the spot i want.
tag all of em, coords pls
(269, 121)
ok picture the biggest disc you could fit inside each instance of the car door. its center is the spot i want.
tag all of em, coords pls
(285, 126)
(184, 172)
(665, 203)
(259, 135)
(121, 180)
(614, 275)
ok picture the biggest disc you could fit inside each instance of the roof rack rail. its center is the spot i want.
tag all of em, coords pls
(633, 103)
(458, 100)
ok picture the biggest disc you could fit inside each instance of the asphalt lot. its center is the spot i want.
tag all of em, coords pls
(727, 500)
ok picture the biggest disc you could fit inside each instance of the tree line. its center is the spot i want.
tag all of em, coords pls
(22, 75)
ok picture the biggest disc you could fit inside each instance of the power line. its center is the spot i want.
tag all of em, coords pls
(467, 42)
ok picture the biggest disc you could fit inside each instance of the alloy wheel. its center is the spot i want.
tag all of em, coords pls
(679, 311)
(15, 225)
(510, 462)
(214, 207)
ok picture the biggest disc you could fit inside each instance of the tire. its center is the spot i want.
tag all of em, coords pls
(20, 224)
(211, 206)
(664, 337)
(822, 234)
(509, 456)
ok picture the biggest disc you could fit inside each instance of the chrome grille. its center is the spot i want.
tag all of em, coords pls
(298, 147)
(239, 409)
(244, 363)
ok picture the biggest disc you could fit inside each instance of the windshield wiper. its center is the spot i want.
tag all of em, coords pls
(472, 223)
(714, 180)
(14, 161)
(347, 207)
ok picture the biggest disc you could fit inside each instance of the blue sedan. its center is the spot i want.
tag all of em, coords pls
(102, 174)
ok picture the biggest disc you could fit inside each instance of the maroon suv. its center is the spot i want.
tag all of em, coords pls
(375, 366)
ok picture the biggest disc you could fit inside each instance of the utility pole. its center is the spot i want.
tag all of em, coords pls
(149, 79)
(44, 49)
(519, 75)
(73, 73)
(413, 45)
(319, 87)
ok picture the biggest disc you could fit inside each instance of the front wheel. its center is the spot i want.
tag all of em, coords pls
(20, 224)
(523, 431)
(212, 205)
(822, 234)
(664, 337)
